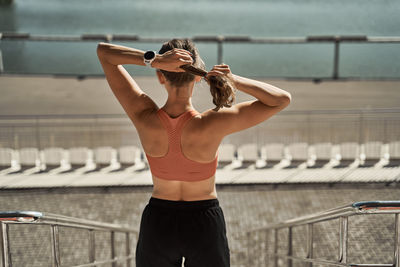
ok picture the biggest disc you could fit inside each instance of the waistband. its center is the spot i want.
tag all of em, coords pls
(184, 205)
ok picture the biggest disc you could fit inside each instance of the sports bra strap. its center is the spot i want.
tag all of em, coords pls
(174, 127)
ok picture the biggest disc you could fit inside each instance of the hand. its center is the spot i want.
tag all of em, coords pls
(172, 60)
(220, 70)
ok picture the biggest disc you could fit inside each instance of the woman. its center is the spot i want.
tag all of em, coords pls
(183, 217)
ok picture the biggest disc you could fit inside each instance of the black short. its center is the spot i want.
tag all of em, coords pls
(170, 230)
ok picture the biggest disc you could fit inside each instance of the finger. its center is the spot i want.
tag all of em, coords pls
(186, 61)
(214, 73)
(183, 50)
(224, 70)
(224, 66)
(184, 55)
(220, 68)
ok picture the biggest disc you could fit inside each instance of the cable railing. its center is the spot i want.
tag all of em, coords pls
(56, 221)
(219, 40)
(341, 213)
(92, 130)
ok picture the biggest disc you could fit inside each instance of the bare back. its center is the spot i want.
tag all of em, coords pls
(200, 139)
(196, 143)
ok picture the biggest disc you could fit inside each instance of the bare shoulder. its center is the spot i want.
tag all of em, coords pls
(239, 117)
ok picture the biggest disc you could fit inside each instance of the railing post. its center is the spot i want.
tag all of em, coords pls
(248, 249)
(266, 247)
(1, 63)
(397, 241)
(128, 250)
(309, 243)
(113, 249)
(276, 248)
(37, 133)
(336, 59)
(55, 246)
(5, 245)
(290, 247)
(220, 49)
(92, 246)
(343, 220)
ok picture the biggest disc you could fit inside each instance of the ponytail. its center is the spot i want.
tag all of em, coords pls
(222, 89)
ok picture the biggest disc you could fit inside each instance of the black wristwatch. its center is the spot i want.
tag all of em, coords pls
(149, 57)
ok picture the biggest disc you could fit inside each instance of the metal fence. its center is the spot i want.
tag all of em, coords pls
(55, 222)
(314, 126)
(260, 235)
(336, 40)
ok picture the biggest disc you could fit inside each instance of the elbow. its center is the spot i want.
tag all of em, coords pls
(286, 99)
(101, 48)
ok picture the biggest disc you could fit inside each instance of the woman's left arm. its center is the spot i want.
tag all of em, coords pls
(130, 96)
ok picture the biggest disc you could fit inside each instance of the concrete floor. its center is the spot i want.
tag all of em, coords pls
(48, 95)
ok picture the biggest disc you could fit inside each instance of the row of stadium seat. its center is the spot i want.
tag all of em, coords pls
(275, 155)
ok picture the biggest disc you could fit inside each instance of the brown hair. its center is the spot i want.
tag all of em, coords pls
(222, 90)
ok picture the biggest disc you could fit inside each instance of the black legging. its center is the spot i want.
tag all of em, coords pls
(170, 230)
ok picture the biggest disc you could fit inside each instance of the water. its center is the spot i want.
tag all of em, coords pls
(189, 18)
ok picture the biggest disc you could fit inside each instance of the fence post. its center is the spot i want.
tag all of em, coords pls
(266, 247)
(290, 247)
(248, 249)
(113, 264)
(55, 246)
(276, 248)
(336, 59)
(92, 246)
(309, 243)
(6, 262)
(220, 40)
(397, 241)
(128, 250)
(37, 133)
(343, 239)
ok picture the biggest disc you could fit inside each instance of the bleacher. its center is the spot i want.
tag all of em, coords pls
(246, 164)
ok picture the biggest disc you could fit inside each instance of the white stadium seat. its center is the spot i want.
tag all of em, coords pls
(226, 154)
(52, 157)
(394, 154)
(8, 160)
(131, 158)
(128, 155)
(80, 158)
(371, 154)
(322, 154)
(299, 154)
(349, 154)
(273, 152)
(6, 157)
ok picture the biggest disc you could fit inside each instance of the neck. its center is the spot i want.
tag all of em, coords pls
(178, 105)
(179, 99)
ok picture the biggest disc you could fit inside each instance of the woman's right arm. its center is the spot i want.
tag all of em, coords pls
(270, 100)
(268, 94)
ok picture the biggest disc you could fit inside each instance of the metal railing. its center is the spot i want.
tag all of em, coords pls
(219, 40)
(311, 126)
(341, 213)
(55, 221)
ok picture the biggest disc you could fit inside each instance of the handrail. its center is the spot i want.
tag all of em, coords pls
(217, 39)
(342, 213)
(123, 115)
(56, 220)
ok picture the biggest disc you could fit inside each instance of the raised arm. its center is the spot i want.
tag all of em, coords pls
(270, 100)
(127, 91)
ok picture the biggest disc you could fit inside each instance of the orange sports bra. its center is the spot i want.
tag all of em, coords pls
(174, 165)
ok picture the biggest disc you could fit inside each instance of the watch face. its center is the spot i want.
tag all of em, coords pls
(149, 55)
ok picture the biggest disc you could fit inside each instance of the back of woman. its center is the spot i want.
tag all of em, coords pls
(183, 218)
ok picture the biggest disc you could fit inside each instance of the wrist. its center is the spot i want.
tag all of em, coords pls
(156, 62)
(234, 78)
